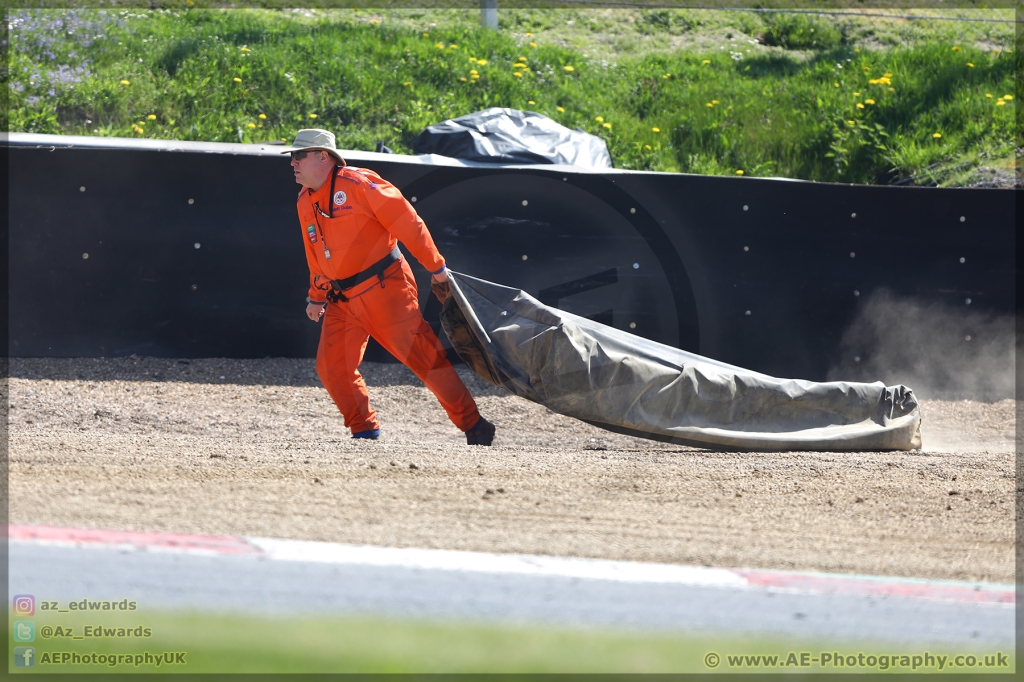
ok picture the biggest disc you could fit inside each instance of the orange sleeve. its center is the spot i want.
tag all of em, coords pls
(316, 295)
(400, 219)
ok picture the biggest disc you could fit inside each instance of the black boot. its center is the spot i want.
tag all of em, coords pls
(481, 434)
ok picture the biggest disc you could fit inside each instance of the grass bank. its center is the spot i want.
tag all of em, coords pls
(855, 100)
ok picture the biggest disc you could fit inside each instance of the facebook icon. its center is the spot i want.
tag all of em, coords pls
(24, 656)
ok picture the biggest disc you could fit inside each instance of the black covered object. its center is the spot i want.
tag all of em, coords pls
(628, 384)
(512, 136)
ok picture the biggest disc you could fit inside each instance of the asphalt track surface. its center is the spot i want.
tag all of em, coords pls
(261, 576)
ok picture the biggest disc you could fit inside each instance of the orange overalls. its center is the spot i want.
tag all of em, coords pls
(352, 222)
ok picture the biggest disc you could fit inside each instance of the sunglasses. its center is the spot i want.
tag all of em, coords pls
(299, 156)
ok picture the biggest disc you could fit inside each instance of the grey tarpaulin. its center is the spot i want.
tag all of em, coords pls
(630, 385)
(512, 136)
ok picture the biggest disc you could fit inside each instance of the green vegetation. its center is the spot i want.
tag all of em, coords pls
(291, 644)
(802, 96)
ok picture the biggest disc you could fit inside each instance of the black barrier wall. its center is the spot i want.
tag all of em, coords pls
(194, 250)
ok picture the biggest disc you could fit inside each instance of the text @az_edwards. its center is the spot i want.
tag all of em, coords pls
(835, 660)
(94, 632)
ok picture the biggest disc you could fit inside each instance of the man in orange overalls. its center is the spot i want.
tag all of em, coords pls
(352, 221)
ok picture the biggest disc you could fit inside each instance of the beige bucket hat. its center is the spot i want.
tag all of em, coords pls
(310, 139)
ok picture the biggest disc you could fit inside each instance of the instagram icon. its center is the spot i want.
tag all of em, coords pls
(24, 605)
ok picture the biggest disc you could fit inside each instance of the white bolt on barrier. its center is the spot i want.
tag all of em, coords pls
(636, 266)
(745, 207)
(748, 312)
(963, 260)
(632, 325)
(194, 287)
(963, 218)
(191, 201)
(856, 293)
(632, 210)
(853, 215)
(525, 256)
(853, 254)
(525, 202)
(856, 358)
(196, 245)
(968, 301)
(967, 338)
(413, 200)
(85, 256)
(82, 188)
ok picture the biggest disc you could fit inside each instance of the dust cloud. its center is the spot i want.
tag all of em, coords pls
(940, 351)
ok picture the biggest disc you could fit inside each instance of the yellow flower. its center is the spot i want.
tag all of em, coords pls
(407, 83)
(560, 109)
(866, 68)
(126, 82)
(836, 84)
(530, 102)
(439, 46)
(869, 101)
(519, 66)
(892, 89)
(569, 68)
(1000, 103)
(481, 62)
(856, 94)
(655, 130)
(244, 48)
(1007, 97)
(374, 21)
(472, 60)
(142, 123)
(989, 95)
(453, 46)
(710, 104)
(706, 61)
(599, 119)
(312, 115)
(152, 117)
(887, 75)
(970, 65)
(251, 125)
(608, 125)
(667, 75)
(532, 44)
(739, 172)
(518, 74)
(426, 35)
(647, 146)
(856, 49)
(859, 105)
(521, 58)
(136, 128)
(851, 123)
(714, 101)
(936, 135)
(956, 48)
(473, 71)
(262, 117)
(528, 35)
(463, 80)
(237, 79)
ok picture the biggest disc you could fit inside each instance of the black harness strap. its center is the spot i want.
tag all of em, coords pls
(375, 270)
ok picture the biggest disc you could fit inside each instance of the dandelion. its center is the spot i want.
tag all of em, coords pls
(956, 48)
(481, 62)
(647, 146)
(859, 105)
(667, 75)
(530, 102)
(599, 119)
(453, 46)
(1000, 103)
(560, 109)
(608, 126)
(463, 79)
(262, 117)
(374, 21)
(126, 82)
(739, 171)
(472, 60)
(714, 101)
(1008, 97)
(521, 58)
(473, 72)
(250, 125)
(529, 35)
(709, 104)
(970, 65)
(533, 44)
(655, 130)
(856, 94)
(856, 49)
(851, 123)
(136, 128)
(426, 35)
(866, 68)
(869, 101)
(237, 79)
(836, 84)
(439, 46)
(569, 68)
(244, 48)
(887, 75)
(518, 74)
(936, 135)
(142, 123)
(312, 115)
(519, 66)
(407, 83)
(989, 95)
(151, 117)
(705, 62)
